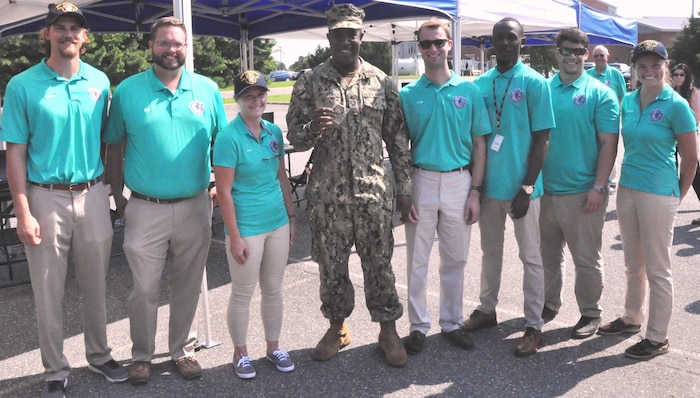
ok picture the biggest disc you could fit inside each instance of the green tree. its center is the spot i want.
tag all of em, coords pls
(119, 55)
(542, 58)
(686, 47)
(377, 54)
(18, 53)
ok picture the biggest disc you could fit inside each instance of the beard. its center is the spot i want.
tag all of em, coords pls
(68, 52)
(167, 63)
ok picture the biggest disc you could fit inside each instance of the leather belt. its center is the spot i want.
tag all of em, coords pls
(79, 187)
(156, 200)
(463, 168)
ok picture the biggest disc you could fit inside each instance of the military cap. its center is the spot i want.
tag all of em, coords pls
(649, 47)
(345, 16)
(246, 80)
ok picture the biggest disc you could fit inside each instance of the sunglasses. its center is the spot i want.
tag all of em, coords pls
(565, 51)
(679, 75)
(599, 56)
(439, 43)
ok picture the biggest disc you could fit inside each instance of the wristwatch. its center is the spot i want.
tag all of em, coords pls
(529, 189)
(601, 188)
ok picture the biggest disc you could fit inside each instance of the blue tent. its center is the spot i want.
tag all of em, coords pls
(229, 18)
(601, 28)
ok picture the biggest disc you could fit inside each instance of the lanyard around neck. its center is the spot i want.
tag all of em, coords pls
(499, 109)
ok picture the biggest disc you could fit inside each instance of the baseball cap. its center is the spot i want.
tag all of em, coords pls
(649, 47)
(248, 79)
(345, 16)
(65, 9)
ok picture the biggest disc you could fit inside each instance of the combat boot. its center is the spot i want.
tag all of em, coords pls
(337, 337)
(390, 343)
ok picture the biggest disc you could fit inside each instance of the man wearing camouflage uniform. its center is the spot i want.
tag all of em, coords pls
(346, 109)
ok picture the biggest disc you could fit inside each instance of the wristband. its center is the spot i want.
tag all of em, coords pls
(476, 188)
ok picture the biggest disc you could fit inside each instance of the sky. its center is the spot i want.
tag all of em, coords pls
(292, 49)
(640, 8)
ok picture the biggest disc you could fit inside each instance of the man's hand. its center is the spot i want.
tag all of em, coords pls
(520, 205)
(405, 207)
(594, 200)
(28, 231)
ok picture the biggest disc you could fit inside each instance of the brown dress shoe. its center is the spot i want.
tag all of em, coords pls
(139, 372)
(337, 336)
(189, 368)
(529, 342)
(479, 320)
(390, 343)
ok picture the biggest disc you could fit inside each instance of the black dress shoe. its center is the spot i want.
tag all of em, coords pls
(585, 327)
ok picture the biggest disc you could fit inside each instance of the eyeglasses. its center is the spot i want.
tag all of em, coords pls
(679, 75)
(166, 45)
(439, 43)
(598, 55)
(565, 51)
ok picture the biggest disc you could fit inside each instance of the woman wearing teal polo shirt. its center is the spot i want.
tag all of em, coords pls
(654, 120)
(259, 217)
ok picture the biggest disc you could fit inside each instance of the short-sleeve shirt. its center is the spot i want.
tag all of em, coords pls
(649, 135)
(60, 120)
(523, 98)
(168, 135)
(257, 196)
(612, 78)
(441, 121)
(582, 109)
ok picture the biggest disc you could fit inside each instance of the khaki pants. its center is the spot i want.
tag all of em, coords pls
(527, 234)
(78, 223)
(563, 222)
(646, 227)
(176, 234)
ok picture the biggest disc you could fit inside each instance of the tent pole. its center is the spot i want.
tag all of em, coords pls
(182, 9)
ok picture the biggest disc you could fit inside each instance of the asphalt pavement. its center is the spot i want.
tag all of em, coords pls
(565, 367)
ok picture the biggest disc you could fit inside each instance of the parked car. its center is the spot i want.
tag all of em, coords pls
(588, 65)
(300, 73)
(281, 76)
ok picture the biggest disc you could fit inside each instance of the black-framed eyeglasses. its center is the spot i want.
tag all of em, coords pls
(438, 43)
(679, 75)
(598, 55)
(566, 51)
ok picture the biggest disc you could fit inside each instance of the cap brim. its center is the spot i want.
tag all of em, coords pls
(345, 25)
(78, 17)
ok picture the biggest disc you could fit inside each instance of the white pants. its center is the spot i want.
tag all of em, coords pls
(440, 199)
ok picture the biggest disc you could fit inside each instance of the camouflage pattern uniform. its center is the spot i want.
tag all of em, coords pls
(350, 194)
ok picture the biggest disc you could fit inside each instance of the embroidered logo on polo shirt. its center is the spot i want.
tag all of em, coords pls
(579, 100)
(459, 101)
(656, 115)
(274, 146)
(517, 95)
(95, 93)
(608, 82)
(197, 107)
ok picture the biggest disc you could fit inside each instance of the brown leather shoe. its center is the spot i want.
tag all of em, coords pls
(337, 336)
(479, 320)
(390, 343)
(189, 368)
(529, 342)
(139, 372)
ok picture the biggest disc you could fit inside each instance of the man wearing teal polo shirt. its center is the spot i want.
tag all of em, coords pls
(447, 122)
(606, 74)
(167, 116)
(520, 109)
(582, 150)
(57, 108)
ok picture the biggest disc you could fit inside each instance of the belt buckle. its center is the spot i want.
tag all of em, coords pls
(73, 188)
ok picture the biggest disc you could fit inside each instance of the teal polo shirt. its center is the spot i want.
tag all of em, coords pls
(60, 120)
(612, 78)
(442, 120)
(582, 109)
(256, 191)
(649, 135)
(522, 95)
(168, 135)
